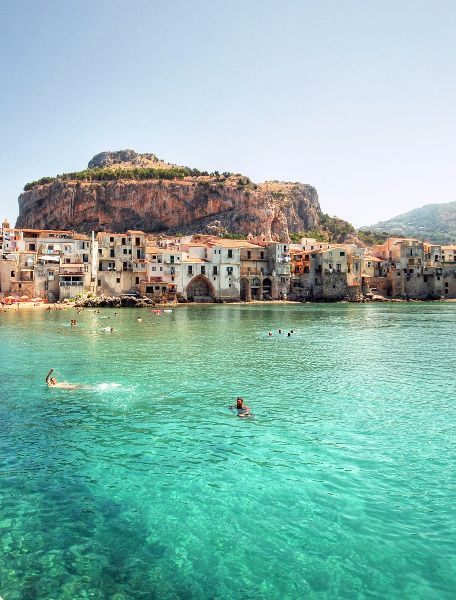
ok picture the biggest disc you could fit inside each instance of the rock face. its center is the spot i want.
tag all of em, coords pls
(190, 205)
(122, 158)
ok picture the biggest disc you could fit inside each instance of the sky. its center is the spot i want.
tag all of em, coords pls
(356, 98)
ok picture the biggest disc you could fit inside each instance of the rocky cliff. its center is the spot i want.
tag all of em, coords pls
(109, 196)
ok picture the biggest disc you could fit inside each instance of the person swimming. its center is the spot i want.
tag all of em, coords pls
(242, 409)
(52, 382)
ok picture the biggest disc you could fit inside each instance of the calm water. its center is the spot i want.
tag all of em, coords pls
(146, 486)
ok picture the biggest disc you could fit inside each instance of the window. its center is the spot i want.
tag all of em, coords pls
(125, 251)
(137, 280)
(118, 280)
(339, 267)
(32, 247)
(46, 286)
(138, 241)
(249, 254)
(124, 241)
(214, 270)
(446, 284)
(446, 290)
(229, 270)
(125, 266)
(111, 253)
(99, 282)
(262, 255)
(13, 274)
(100, 251)
(171, 259)
(111, 239)
(203, 270)
(154, 268)
(230, 253)
(85, 258)
(190, 270)
(341, 253)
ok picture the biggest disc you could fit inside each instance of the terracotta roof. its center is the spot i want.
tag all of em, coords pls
(194, 260)
(233, 244)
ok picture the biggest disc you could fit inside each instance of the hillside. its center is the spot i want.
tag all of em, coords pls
(125, 190)
(434, 222)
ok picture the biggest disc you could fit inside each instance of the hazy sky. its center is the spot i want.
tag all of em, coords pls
(357, 98)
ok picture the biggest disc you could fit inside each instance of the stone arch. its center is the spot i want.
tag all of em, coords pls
(246, 292)
(267, 289)
(200, 289)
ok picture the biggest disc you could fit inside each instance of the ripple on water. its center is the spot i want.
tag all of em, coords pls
(146, 485)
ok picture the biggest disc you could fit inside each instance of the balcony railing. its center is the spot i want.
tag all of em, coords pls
(246, 272)
(71, 283)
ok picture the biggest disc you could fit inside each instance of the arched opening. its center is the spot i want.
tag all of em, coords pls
(246, 295)
(256, 288)
(267, 289)
(200, 289)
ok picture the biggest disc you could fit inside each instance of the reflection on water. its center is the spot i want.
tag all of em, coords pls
(146, 485)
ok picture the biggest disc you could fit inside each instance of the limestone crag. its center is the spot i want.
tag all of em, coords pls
(206, 203)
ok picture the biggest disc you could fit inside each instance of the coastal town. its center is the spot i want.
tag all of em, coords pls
(55, 265)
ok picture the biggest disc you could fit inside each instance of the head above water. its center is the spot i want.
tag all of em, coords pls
(239, 402)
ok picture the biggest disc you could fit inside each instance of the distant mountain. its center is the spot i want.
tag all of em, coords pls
(433, 222)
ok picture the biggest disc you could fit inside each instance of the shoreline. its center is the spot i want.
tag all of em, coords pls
(17, 307)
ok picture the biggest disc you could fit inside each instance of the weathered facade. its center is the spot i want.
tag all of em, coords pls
(56, 265)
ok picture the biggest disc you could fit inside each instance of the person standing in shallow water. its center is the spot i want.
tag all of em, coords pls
(242, 409)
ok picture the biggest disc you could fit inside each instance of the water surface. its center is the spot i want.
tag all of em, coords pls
(147, 486)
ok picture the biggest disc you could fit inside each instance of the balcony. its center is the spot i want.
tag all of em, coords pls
(64, 272)
(245, 272)
(71, 283)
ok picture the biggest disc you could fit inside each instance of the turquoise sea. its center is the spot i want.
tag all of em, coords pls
(145, 485)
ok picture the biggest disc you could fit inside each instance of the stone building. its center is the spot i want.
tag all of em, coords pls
(121, 262)
(46, 264)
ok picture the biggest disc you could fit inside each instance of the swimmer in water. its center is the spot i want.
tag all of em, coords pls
(52, 382)
(270, 334)
(242, 409)
(139, 319)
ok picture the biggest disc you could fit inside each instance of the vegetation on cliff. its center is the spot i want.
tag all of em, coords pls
(332, 229)
(135, 174)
